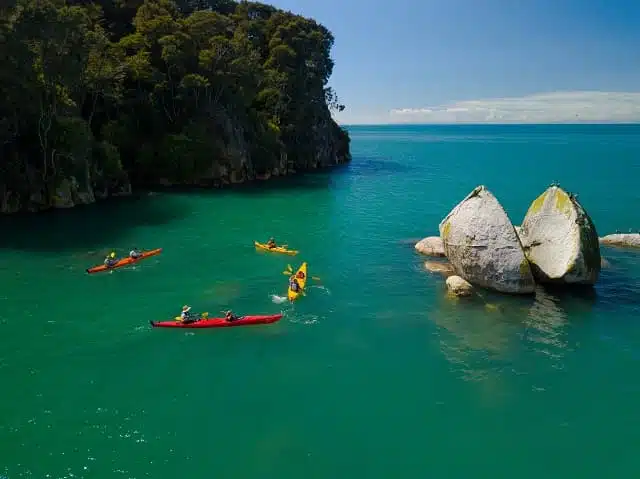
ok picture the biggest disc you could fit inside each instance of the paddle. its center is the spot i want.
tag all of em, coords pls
(289, 272)
(202, 316)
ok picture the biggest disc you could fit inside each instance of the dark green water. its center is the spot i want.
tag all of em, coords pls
(374, 374)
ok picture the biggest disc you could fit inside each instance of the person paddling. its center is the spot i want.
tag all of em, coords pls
(110, 260)
(271, 243)
(230, 316)
(186, 316)
(135, 253)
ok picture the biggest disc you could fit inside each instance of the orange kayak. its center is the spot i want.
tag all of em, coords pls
(124, 261)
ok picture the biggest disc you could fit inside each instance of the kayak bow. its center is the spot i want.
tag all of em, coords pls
(219, 322)
(293, 295)
(124, 261)
(277, 249)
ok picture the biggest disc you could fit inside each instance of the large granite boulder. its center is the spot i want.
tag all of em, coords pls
(560, 240)
(483, 247)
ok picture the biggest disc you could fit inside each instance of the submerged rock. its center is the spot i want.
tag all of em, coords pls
(439, 267)
(431, 246)
(629, 240)
(560, 240)
(483, 247)
(458, 286)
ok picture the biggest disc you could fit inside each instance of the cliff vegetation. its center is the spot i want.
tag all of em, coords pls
(101, 95)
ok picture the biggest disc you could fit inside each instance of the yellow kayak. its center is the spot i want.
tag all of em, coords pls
(277, 249)
(301, 276)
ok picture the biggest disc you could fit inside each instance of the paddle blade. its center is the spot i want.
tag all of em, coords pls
(204, 315)
(288, 273)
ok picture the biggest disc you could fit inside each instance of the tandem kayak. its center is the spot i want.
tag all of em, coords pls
(219, 322)
(302, 281)
(277, 249)
(125, 261)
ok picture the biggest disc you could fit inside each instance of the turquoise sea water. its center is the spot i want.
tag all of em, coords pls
(373, 374)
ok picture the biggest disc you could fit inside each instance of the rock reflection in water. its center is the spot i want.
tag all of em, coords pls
(477, 342)
(545, 324)
(485, 338)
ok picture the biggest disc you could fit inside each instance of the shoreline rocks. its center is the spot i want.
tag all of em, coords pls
(627, 240)
(440, 267)
(482, 245)
(560, 240)
(458, 286)
(431, 246)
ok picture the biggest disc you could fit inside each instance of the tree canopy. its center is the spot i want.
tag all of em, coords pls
(160, 90)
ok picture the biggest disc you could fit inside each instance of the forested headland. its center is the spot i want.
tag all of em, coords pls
(98, 96)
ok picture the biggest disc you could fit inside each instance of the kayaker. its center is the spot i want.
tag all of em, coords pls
(294, 285)
(229, 316)
(185, 315)
(300, 275)
(135, 253)
(271, 243)
(110, 260)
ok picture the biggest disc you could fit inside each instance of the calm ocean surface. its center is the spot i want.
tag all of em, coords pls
(374, 374)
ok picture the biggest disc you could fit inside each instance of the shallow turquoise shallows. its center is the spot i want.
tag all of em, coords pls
(374, 374)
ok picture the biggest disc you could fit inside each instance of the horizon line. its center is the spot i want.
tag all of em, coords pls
(582, 123)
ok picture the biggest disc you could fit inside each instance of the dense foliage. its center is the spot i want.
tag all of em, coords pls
(160, 90)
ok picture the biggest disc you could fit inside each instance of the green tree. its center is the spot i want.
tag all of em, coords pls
(160, 90)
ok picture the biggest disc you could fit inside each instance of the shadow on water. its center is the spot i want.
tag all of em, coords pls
(308, 181)
(103, 223)
(375, 166)
(618, 283)
(88, 226)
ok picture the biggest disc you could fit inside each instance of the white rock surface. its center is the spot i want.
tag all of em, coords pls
(430, 246)
(459, 286)
(517, 228)
(481, 244)
(560, 240)
(631, 240)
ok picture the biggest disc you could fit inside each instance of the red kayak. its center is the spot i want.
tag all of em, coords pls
(218, 322)
(125, 261)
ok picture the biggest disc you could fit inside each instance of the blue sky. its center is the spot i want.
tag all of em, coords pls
(482, 60)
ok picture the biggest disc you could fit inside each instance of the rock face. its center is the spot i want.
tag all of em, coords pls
(560, 240)
(481, 244)
(631, 240)
(518, 232)
(458, 286)
(431, 246)
(439, 267)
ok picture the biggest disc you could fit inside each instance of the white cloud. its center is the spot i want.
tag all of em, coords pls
(556, 107)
